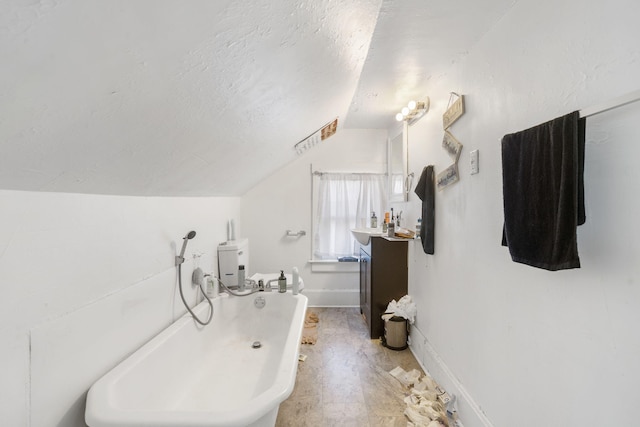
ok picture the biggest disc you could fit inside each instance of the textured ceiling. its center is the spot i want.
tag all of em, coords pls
(157, 97)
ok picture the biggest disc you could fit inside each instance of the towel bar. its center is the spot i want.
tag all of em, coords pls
(611, 104)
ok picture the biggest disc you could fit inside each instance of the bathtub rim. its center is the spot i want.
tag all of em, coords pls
(101, 410)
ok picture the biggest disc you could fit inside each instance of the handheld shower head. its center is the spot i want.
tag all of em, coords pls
(180, 258)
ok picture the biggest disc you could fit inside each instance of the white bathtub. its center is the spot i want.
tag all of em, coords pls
(190, 375)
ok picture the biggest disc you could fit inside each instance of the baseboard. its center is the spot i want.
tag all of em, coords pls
(333, 297)
(469, 412)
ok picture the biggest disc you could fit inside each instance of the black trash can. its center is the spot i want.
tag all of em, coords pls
(396, 331)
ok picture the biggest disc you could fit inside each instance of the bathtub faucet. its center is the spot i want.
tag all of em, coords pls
(262, 287)
(268, 287)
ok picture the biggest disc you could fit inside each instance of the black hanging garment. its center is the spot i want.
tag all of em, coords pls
(425, 189)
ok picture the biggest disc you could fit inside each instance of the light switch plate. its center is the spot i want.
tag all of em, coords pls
(475, 162)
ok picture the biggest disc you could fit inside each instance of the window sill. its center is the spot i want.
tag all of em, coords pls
(334, 266)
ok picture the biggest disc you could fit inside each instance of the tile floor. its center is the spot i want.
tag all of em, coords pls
(344, 380)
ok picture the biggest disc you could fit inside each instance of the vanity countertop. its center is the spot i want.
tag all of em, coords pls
(396, 239)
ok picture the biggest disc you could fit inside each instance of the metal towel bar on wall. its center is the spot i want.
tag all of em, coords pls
(408, 182)
(611, 104)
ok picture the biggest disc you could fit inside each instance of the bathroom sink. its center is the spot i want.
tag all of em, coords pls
(363, 235)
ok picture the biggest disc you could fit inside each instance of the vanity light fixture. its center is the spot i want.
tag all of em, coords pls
(413, 111)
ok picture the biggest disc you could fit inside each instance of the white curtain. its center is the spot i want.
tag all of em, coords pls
(346, 201)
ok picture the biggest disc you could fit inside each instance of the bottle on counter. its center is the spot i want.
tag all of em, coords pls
(418, 228)
(212, 287)
(295, 285)
(385, 223)
(282, 282)
(374, 220)
(241, 278)
(391, 230)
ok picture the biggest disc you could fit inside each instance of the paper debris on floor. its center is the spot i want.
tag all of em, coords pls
(427, 403)
(310, 331)
(406, 378)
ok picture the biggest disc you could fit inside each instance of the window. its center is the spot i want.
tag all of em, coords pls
(344, 201)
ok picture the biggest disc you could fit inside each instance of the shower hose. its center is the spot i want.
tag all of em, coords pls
(184, 301)
(242, 293)
(187, 305)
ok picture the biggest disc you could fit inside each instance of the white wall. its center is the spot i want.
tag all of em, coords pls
(283, 202)
(85, 281)
(527, 346)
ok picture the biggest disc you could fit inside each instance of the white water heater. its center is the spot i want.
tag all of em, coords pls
(232, 254)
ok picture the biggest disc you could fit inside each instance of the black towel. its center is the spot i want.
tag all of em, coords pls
(543, 191)
(425, 189)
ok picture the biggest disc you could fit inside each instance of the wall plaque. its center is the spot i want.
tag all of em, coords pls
(454, 112)
(451, 145)
(447, 177)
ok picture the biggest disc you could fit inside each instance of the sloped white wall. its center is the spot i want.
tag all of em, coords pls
(529, 347)
(283, 202)
(85, 281)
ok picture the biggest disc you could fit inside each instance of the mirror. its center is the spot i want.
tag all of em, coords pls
(397, 166)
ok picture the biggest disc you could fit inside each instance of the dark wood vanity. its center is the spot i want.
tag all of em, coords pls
(383, 277)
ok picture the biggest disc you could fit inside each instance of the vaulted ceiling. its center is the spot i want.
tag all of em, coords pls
(158, 97)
